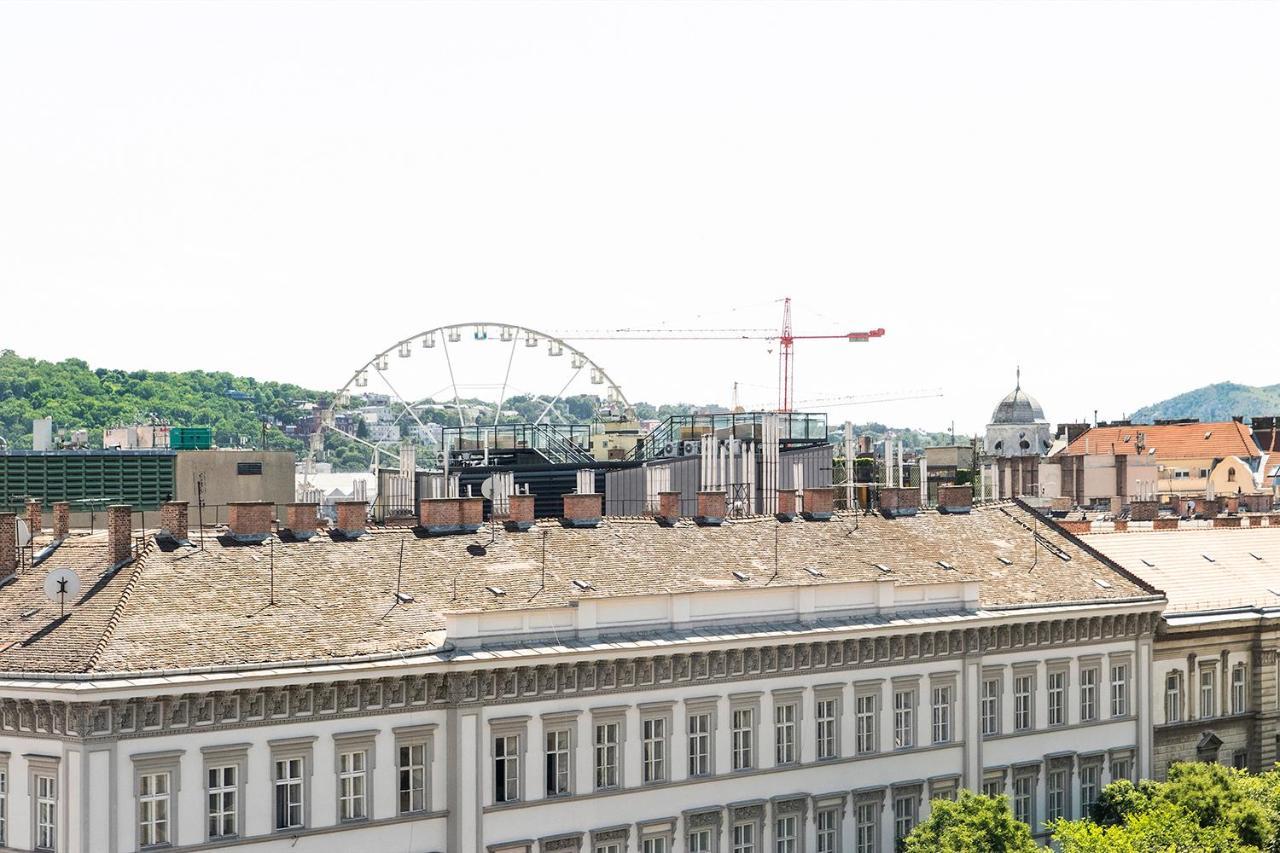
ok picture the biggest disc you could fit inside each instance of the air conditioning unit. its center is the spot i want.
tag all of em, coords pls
(669, 449)
(690, 448)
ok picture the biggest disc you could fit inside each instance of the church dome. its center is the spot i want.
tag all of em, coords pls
(1018, 407)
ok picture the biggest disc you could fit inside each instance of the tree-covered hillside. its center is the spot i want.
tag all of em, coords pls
(78, 396)
(1217, 402)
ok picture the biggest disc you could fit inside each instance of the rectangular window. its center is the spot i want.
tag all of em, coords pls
(1023, 697)
(866, 827)
(46, 812)
(1173, 697)
(412, 769)
(993, 786)
(607, 737)
(699, 744)
(606, 848)
(991, 706)
(904, 815)
(1057, 687)
(656, 844)
(743, 735)
(248, 468)
(1056, 795)
(1024, 795)
(786, 835)
(1088, 694)
(942, 714)
(654, 750)
(700, 841)
(223, 793)
(744, 838)
(153, 809)
(827, 714)
(1089, 780)
(353, 785)
(288, 783)
(784, 733)
(865, 723)
(1119, 690)
(506, 768)
(1238, 703)
(1208, 695)
(827, 822)
(558, 755)
(1121, 768)
(1240, 759)
(904, 719)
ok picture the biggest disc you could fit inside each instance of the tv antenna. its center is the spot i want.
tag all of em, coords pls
(60, 583)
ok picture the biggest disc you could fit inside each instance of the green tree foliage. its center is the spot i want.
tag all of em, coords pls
(973, 822)
(1202, 807)
(1218, 402)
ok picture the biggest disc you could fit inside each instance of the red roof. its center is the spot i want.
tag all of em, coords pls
(1171, 441)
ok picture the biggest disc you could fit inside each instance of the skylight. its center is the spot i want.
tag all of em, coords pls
(496, 590)
(946, 565)
(814, 572)
(583, 585)
(1104, 584)
(882, 567)
(1005, 560)
(742, 576)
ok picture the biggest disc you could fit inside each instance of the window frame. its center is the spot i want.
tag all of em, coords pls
(906, 713)
(699, 708)
(1239, 689)
(786, 733)
(301, 749)
(505, 728)
(866, 834)
(659, 714)
(352, 743)
(1120, 690)
(866, 717)
(948, 685)
(1173, 696)
(1090, 678)
(1059, 714)
(606, 719)
(992, 711)
(1025, 774)
(154, 764)
(1058, 768)
(703, 820)
(832, 804)
(906, 794)
(744, 704)
(408, 737)
(220, 757)
(835, 696)
(1207, 691)
(1024, 701)
(46, 767)
(658, 836)
(1093, 765)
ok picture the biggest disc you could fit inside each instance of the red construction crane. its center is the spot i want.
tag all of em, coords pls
(786, 352)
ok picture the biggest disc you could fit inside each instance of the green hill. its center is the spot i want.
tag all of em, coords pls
(236, 407)
(1217, 402)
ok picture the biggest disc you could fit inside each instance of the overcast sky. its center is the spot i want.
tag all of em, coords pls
(1090, 190)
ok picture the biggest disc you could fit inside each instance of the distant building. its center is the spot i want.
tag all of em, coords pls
(1016, 438)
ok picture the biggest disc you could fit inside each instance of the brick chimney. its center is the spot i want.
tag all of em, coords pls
(668, 507)
(173, 518)
(441, 516)
(898, 501)
(300, 520)
(250, 521)
(712, 509)
(787, 504)
(8, 543)
(519, 512)
(35, 516)
(1143, 510)
(582, 510)
(352, 515)
(471, 512)
(61, 519)
(955, 500)
(119, 532)
(819, 503)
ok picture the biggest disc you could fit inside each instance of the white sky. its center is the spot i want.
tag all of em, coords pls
(1088, 189)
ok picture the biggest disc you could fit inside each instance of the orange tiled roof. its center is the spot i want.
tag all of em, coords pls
(1171, 441)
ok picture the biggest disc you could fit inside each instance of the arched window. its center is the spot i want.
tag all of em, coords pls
(1231, 475)
(1024, 444)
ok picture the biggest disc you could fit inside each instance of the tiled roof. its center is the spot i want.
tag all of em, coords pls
(1171, 441)
(1205, 568)
(212, 608)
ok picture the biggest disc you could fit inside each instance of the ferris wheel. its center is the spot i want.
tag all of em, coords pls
(468, 375)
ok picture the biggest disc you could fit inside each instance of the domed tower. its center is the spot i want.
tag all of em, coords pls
(1018, 427)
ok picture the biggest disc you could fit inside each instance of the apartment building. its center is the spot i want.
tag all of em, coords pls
(660, 685)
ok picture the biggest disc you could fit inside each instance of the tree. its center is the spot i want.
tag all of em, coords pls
(973, 822)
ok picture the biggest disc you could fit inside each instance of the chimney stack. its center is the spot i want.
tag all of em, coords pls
(119, 533)
(8, 543)
(787, 505)
(352, 516)
(668, 507)
(519, 512)
(899, 501)
(35, 516)
(442, 516)
(173, 518)
(61, 519)
(250, 521)
(300, 520)
(819, 503)
(955, 500)
(582, 510)
(711, 509)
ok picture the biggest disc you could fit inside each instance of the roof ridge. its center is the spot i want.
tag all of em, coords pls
(117, 612)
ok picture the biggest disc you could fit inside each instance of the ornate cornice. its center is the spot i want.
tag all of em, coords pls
(497, 685)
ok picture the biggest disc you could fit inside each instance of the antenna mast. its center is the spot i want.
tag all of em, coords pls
(786, 363)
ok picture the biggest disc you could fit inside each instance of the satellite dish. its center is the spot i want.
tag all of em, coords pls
(24, 534)
(59, 584)
(486, 488)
